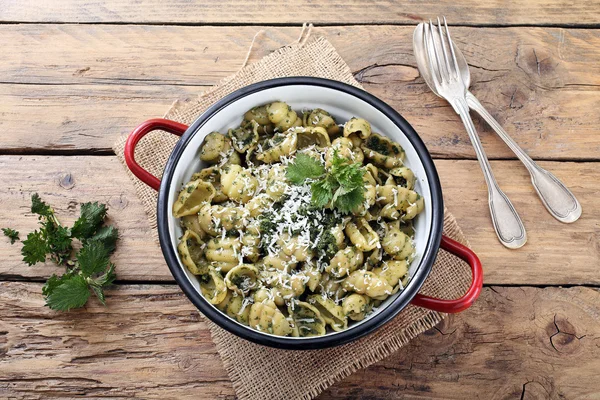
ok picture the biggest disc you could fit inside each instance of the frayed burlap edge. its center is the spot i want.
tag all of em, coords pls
(379, 354)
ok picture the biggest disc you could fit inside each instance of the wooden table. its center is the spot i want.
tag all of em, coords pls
(76, 74)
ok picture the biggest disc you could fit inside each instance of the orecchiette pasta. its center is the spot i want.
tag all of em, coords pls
(321, 118)
(367, 282)
(356, 306)
(392, 271)
(217, 148)
(265, 254)
(383, 151)
(307, 320)
(212, 175)
(282, 116)
(344, 148)
(237, 307)
(212, 286)
(190, 250)
(266, 317)
(310, 136)
(242, 278)
(357, 126)
(193, 196)
(280, 145)
(362, 236)
(345, 261)
(332, 313)
(238, 183)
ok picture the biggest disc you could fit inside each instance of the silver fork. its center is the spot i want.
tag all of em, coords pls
(449, 84)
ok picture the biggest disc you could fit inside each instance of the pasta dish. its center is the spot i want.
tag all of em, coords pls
(298, 226)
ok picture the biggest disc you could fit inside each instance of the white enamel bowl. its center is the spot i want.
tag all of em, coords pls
(343, 102)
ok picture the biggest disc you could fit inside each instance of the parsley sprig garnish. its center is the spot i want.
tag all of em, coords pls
(341, 185)
(89, 270)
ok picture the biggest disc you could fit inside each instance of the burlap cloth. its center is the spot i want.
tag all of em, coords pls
(259, 372)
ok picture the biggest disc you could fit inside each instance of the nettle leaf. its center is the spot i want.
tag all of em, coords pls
(321, 193)
(72, 292)
(35, 248)
(40, 207)
(11, 234)
(93, 258)
(107, 278)
(99, 294)
(342, 184)
(55, 281)
(107, 235)
(91, 270)
(304, 167)
(91, 218)
(59, 242)
(350, 201)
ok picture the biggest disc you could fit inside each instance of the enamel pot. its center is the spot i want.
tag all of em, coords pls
(343, 102)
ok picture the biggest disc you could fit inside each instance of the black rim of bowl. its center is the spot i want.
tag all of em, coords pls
(318, 342)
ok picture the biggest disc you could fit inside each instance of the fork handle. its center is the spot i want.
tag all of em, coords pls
(506, 221)
(559, 200)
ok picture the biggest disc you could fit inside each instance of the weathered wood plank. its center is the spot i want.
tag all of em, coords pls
(554, 12)
(548, 337)
(149, 342)
(64, 182)
(514, 343)
(556, 254)
(78, 118)
(86, 83)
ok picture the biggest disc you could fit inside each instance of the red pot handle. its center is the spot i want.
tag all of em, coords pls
(134, 137)
(464, 302)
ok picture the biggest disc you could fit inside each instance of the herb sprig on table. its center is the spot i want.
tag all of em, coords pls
(89, 269)
(341, 184)
(11, 234)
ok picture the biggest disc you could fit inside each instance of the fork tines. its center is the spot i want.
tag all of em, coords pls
(439, 41)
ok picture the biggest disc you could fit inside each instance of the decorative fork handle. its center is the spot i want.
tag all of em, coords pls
(506, 221)
(559, 200)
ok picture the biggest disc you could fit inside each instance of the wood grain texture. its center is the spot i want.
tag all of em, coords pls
(514, 343)
(150, 342)
(556, 253)
(273, 12)
(65, 182)
(75, 119)
(72, 88)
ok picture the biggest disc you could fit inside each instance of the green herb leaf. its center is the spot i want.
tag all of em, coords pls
(35, 248)
(11, 234)
(349, 201)
(107, 235)
(93, 258)
(90, 220)
(350, 175)
(59, 242)
(40, 207)
(342, 184)
(304, 167)
(99, 294)
(107, 278)
(91, 269)
(321, 193)
(72, 292)
(55, 281)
